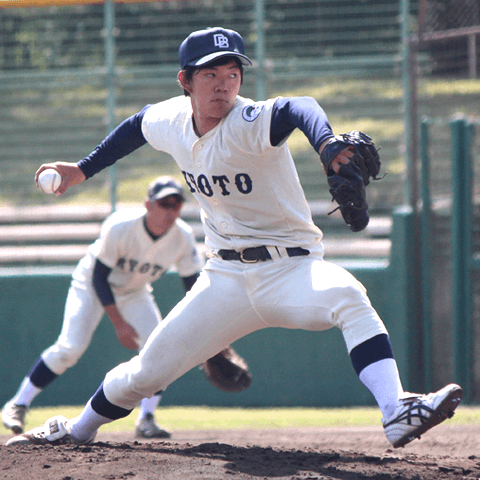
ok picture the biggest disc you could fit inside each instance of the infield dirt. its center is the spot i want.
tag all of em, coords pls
(446, 452)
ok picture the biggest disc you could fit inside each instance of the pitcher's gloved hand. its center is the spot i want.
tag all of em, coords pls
(348, 185)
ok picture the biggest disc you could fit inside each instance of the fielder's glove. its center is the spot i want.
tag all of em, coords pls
(228, 371)
(348, 185)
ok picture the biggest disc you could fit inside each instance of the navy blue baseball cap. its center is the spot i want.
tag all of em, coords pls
(203, 46)
(163, 187)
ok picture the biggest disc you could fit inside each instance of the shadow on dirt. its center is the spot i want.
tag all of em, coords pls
(267, 462)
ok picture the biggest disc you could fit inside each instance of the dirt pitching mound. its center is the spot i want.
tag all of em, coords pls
(446, 452)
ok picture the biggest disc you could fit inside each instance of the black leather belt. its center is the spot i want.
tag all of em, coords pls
(253, 255)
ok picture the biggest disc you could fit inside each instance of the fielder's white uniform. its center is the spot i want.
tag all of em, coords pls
(250, 196)
(136, 261)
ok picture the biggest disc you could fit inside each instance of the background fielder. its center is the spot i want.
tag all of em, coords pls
(266, 266)
(135, 248)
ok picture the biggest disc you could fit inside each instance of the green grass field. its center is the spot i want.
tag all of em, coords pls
(206, 418)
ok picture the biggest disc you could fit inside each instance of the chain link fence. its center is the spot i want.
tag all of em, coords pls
(54, 82)
(450, 30)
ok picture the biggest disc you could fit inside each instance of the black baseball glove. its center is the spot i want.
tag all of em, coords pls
(348, 185)
(228, 371)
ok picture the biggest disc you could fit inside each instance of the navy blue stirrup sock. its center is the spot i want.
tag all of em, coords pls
(40, 375)
(372, 350)
(103, 407)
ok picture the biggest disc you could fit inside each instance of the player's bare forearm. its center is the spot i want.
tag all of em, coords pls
(125, 332)
(71, 175)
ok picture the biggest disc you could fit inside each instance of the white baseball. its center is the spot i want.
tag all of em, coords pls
(49, 180)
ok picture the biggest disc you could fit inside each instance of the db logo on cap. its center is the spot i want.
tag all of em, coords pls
(220, 40)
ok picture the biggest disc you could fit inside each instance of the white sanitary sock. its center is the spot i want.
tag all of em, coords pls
(148, 405)
(87, 423)
(26, 393)
(383, 380)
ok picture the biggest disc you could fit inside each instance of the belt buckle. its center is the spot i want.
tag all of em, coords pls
(244, 260)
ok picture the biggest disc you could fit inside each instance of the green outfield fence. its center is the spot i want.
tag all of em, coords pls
(449, 316)
(289, 367)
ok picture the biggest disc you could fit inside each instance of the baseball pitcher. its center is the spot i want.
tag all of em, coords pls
(266, 266)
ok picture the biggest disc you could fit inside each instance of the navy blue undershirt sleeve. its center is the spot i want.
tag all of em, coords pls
(125, 139)
(189, 281)
(303, 113)
(101, 285)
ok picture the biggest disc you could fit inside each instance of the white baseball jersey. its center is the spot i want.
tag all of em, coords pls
(245, 202)
(135, 258)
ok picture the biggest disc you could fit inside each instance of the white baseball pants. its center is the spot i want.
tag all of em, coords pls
(232, 299)
(83, 312)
